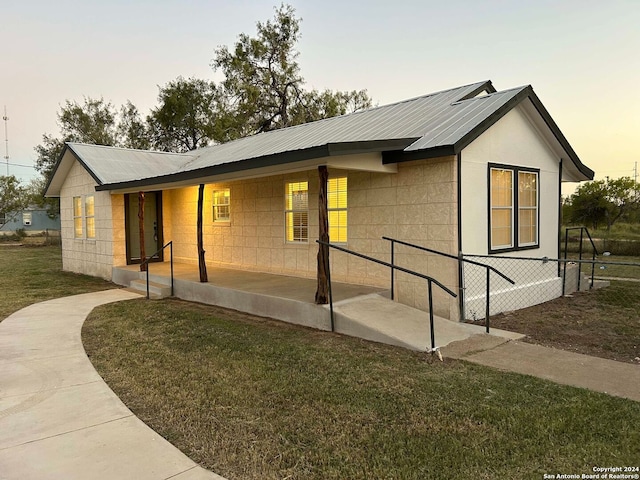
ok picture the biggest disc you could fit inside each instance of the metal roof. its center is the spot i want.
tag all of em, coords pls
(441, 123)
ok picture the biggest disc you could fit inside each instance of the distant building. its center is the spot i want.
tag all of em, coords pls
(33, 220)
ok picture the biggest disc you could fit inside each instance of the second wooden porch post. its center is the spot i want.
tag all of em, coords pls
(202, 266)
(322, 292)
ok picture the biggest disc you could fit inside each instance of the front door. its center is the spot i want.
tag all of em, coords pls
(152, 226)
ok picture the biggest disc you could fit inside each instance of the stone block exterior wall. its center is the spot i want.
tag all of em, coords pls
(417, 204)
(84, 255)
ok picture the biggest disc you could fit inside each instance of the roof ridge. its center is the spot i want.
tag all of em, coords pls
(492, 94)
(113, 147)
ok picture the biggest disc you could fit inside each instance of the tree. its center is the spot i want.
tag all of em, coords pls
(93, 122)
(264, 84)
(132, 131)
(190, 116)
(34, 195)
(12, 198)
(603, 202)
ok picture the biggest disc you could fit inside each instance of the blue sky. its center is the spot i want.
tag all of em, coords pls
(582, 58)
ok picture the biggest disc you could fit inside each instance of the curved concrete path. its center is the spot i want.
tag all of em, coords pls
(58, 419)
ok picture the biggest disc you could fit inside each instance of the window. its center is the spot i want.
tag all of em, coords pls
(221, 206)
(26, 218)
(337, 209)
(77, 217)
(297, 211)
(513, 205)
(89, 213)
(84, 222)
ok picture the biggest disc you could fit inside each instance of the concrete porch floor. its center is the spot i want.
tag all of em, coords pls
(360, 310)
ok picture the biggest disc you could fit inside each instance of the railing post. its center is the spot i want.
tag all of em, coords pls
(580, 257)
(147, 271)
(392, 269)
(328, 269)
(487, 306)
(171, 261)
(433, 335)
(564, 266)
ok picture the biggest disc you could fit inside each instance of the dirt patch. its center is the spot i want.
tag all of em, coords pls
(603, 323)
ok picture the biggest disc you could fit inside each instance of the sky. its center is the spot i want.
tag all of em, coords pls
(581, 57)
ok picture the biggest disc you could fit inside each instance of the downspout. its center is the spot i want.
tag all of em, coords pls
(460, 252)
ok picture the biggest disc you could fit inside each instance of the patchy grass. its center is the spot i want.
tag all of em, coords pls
(252, 398)
(34, 274)
(603, 323)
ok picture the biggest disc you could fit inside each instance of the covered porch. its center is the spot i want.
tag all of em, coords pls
(360, 310)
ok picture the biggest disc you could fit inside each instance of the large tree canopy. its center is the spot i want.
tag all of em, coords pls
(263, 90)
(190, 115)
(264, 83)
(603, 202)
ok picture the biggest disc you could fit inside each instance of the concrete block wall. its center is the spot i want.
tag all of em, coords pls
(417, 204)
(84, 255)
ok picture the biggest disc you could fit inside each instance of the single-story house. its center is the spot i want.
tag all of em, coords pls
(33, 220)
(469, 169)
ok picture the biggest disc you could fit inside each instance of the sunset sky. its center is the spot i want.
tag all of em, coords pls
(581, 57)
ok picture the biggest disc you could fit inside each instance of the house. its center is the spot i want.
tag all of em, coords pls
(469, 170)
(33, 220)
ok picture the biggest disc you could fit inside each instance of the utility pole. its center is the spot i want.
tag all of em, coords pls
(6, 139)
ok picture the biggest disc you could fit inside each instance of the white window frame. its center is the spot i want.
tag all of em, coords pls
(217, 206)
(290, 213)
(344, 209)
(87, 222)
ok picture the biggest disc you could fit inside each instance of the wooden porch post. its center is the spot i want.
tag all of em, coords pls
(322, 292)
(143, 256)
(202, 266)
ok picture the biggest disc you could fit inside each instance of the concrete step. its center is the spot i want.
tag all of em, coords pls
(156, 290)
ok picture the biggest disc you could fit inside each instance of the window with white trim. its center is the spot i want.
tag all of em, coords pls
(78, 231)
(89, 215)
(27, 218)
(84, 221)
(337, 209)
(221, 206)
(513, 208)
(297, 211)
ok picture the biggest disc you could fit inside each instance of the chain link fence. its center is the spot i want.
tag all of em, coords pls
(539, 280)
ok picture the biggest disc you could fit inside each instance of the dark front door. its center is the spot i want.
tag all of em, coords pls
(152, 226)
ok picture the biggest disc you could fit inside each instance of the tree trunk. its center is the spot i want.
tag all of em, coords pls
(143, 255)
(202, 266)
(322, 292)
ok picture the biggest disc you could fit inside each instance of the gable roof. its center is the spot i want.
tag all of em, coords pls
(437, 124)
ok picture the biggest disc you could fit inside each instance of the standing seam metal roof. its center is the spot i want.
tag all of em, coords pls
(450, 118)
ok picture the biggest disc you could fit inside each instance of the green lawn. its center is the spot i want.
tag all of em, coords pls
(257, 399)
(33, 274)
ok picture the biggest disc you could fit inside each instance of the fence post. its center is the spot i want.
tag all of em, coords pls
(487, 306)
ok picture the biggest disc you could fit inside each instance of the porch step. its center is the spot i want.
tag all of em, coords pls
(156, 290)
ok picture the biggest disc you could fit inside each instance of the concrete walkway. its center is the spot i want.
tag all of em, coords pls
(567, 368)
(58, 419)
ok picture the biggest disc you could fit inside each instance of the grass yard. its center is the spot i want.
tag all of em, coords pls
(252, 398)
(33, 274)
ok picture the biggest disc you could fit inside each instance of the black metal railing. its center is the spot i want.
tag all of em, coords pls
(583, 230)
(430, 281)
(146, 261)
(459, 258)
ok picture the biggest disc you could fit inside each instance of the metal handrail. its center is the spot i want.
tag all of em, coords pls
(583, 230)
(488, 269)
(148, 259)
(430, 281)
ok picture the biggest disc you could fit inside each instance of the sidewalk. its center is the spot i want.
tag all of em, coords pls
(568, 368)
(58, 419)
